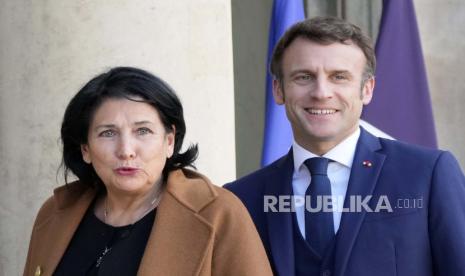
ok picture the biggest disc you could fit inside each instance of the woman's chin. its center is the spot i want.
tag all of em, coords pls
(128, 185)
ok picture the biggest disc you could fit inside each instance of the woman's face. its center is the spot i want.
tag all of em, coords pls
(127, 146)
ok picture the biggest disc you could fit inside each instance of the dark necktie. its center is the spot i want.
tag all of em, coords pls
(319, 225)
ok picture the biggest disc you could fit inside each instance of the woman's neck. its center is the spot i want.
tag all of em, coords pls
(118, 209)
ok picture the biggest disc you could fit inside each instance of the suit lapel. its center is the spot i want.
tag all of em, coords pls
(362, 182)
(280, 223)
(180, 239)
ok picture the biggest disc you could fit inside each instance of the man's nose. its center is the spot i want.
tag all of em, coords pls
(321, 89)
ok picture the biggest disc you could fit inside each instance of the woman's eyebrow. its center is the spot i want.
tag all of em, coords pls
(105, 126)
(143, 122)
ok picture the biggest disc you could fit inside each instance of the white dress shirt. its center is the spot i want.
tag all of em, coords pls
(338, 174)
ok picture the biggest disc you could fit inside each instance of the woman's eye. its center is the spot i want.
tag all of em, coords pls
(107, 133)
(144, 131)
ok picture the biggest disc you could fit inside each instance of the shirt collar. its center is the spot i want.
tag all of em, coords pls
(343, 153)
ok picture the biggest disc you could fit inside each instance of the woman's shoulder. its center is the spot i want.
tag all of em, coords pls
(235, 243)
(45, 212)
(62, 197)
(228, 200)
(208, 200)
(197, 191)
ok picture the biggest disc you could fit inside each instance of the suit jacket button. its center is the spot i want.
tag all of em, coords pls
(326, 272)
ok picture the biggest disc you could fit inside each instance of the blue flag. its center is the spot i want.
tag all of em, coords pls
(278, 134)
(401, 104)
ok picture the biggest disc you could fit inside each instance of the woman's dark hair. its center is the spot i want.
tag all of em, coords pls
(129, 83)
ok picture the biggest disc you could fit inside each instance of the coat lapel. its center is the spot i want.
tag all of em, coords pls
(280, 223)
(56, 233)
(180, 239)
(362, 182)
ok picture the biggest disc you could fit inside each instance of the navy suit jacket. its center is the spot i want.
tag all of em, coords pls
(426, 240)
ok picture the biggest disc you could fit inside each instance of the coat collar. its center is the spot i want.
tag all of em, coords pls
(191, 189)
(178, 233)
(54, 230)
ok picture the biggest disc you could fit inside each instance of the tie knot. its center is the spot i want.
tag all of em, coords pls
(317, 165)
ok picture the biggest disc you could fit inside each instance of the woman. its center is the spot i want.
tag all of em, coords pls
(136, 208)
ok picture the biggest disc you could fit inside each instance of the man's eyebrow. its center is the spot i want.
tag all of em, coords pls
(342, 72)
(299, 71)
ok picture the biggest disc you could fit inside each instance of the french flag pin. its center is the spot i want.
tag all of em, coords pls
(367, 164)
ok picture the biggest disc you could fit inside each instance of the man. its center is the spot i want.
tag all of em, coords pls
(393, 208)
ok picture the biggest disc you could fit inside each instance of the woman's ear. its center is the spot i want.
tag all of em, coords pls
(171, 140)
(85, 154)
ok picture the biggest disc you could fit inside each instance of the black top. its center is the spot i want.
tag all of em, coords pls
(101, 249)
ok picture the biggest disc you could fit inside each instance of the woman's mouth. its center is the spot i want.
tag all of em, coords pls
(126, 171)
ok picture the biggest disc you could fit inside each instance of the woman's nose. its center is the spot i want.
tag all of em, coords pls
(126, 148)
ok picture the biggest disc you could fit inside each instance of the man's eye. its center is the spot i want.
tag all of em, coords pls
(340, 77)
(107, 133)
(303, 77)
(143, 131)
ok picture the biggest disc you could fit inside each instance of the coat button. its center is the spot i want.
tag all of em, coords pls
(326, 272)
(38, 271)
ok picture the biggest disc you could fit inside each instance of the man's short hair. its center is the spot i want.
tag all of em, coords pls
(325, 30)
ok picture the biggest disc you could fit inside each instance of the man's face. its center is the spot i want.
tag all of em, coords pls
(323, 92)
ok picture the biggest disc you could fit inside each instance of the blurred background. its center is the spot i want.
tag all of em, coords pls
(212, 52)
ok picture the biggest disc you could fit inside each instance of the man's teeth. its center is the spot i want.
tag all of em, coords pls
(321, 111)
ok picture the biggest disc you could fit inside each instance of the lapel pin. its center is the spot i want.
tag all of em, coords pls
(367, 164)
(38, 271)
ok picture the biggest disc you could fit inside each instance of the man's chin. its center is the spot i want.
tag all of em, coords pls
(321, 134)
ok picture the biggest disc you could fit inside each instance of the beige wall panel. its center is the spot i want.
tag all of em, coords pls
(443, 41)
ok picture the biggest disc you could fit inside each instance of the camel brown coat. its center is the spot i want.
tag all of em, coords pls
(199, 229)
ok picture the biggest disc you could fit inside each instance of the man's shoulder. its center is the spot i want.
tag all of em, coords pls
(403, 157)
(399, 150)
(256, 180)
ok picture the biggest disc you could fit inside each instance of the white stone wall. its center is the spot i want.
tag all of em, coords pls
(50, 48)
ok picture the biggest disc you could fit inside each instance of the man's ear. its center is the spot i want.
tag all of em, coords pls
(367, 90)
(85, 154)
(278, 93)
